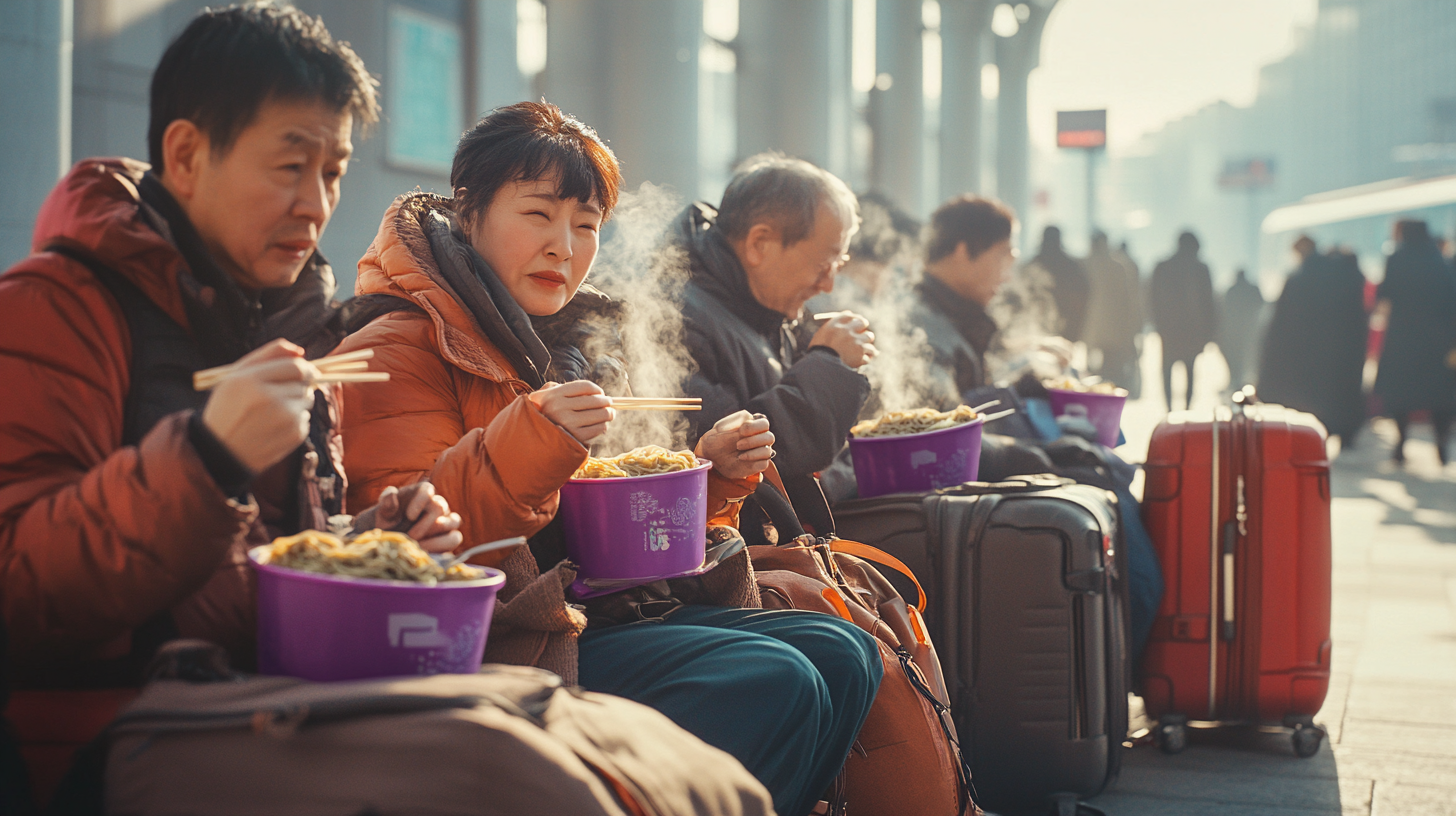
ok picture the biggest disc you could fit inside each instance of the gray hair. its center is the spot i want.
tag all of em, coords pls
(784, 193)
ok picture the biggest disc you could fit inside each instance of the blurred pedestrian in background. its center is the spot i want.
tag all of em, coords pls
(1240, 317)
(1184, 312)
(881, 255)
(1418, 296)
(1114, 315)
(1068, 282)
(968, 253)
(1314, 351)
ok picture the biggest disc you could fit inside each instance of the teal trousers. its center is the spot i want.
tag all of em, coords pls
(785, 692)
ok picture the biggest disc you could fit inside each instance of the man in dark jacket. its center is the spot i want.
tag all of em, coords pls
(1181, 296)
(777, 239)
(1070, 286)
(1419, 297)
(967, 255)
(1240, 320)
(1314, 350)
(128, 499)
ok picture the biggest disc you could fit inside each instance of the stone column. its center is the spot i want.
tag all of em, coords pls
(794, 90)
(964, 29)
(35, 145)
(498, 80)
(897, 112)
(1016, 57)
(630, 70)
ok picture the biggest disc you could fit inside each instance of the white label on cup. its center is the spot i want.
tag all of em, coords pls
(920, 459)
(414, 630)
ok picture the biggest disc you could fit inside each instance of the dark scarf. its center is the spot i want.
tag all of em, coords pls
(715, 268)
(228, 321)
(969, 317)
(540, 349)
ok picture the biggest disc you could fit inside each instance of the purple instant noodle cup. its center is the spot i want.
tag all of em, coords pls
(917, 463)
(637, 527)
(1104, 411)
(336, 627)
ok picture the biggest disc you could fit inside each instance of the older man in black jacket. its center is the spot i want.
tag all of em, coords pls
(778, 238)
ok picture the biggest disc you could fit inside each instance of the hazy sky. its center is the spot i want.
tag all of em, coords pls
(1151, 61)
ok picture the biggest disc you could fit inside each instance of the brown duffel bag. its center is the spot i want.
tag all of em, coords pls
(510, 740)
(907, 760)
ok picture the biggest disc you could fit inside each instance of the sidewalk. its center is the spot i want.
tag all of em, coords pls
(1391, 709)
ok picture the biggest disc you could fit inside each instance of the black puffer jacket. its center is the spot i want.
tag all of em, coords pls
(747, 359)
(959, 333)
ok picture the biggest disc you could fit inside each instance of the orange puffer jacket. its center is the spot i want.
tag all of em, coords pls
(455, 411)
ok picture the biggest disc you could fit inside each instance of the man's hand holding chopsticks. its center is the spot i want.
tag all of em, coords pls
(260, 408)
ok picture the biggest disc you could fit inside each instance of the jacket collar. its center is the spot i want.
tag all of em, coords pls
(117, 212)
(716, 269)
(969, 317)
(421, 255)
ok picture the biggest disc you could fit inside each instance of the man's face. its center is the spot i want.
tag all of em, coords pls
(262, 206)
(984, 274)
(783, 278)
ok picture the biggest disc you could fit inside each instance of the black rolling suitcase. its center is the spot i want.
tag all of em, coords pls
(1028, 608)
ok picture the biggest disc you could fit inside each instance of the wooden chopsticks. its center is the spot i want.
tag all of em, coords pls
(657, 403)
(352, 367)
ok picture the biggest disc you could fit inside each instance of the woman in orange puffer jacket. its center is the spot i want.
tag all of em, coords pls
(471, 403)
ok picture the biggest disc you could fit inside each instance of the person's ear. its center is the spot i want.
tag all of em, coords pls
(756, 245)
(184, 149)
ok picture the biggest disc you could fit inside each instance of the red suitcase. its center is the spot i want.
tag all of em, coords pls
(1243, 634)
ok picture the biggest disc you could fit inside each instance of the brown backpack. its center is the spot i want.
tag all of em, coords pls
(906, 760)
(510, 740)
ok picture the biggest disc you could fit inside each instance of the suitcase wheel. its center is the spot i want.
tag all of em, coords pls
(1307, 739)
(1172, 734)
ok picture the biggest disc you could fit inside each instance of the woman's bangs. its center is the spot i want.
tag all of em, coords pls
(576, 174)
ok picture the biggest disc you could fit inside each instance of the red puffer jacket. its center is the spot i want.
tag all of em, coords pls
(97, 537)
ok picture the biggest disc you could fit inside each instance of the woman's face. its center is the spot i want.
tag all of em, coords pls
(540, 246)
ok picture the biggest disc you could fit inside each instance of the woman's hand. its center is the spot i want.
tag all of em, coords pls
(581, 408)
(416, 511)
(739, 445)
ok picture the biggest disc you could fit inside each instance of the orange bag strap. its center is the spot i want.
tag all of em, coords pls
(884, 559)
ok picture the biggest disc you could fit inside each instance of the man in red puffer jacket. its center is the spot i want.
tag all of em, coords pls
(127, 498)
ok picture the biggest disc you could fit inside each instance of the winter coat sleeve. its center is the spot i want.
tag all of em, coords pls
(95, 538)
(496, 458)
(810, 410)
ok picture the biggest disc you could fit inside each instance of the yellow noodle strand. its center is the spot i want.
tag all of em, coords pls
(644, 461)
(374, 554)
(919, 420)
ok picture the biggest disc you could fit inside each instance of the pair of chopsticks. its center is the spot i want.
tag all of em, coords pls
(352, 367)
(657, 403)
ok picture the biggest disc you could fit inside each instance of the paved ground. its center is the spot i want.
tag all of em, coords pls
(1391, 710)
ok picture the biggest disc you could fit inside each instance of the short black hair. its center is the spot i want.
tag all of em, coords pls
(528, 141)
(229, 61)
(784, 193)
(979, 223)
(886, 232)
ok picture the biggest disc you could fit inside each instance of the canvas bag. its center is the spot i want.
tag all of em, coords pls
(510, 740)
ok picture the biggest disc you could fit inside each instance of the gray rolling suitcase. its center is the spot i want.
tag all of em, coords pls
(1028, 608)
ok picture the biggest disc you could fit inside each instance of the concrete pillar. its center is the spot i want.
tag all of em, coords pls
(35, 148)
(897, 113)
(964, 29)
(794, 91)
(1016, 57)
(498, 80)
(630, 70)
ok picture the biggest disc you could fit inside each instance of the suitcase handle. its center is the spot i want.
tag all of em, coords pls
(1230, 536)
